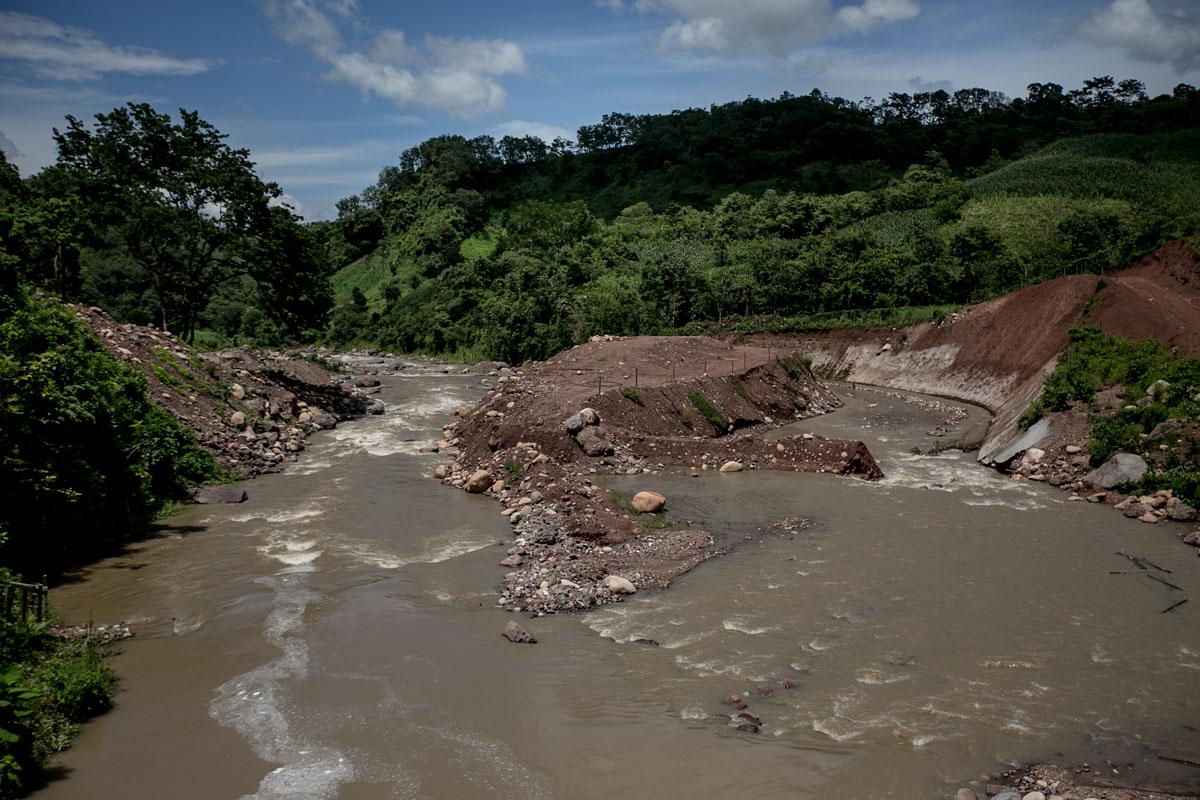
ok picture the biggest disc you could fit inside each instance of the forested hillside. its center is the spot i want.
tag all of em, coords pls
(783, 213)
(775, 210)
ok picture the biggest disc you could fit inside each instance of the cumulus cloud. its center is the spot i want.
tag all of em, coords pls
(919, 84)
(61, 52)
(521, 127)
(1146, 34)
(456, 75)
(752, 27)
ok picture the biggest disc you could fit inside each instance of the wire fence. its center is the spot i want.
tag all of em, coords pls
(637, 374)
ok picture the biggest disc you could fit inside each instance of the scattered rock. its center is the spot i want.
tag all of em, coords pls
(221, 494)
(515, 633)
(732, 466)
(441, 471)
(593, 442)
(580, 420)
(511, 561)
(1181, 513)
(1121, 468)
(965, 794)
(479, 480)
(615, 583)
(649, 502)
(237, 420)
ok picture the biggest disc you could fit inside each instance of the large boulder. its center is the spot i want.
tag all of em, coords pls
(1121, 468)
(732, 466)
(615, 583)
(580, 420)
(649, 502)
(220, 494)
(479, 480)
(324, 420)
(593, 442)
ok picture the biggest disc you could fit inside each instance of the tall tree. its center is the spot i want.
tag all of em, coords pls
(187, 207)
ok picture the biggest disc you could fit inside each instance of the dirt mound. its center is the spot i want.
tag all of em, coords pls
(1158, 297)
(635, 405)
(251, 409)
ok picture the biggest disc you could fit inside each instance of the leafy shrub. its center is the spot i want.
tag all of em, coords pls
(17, 705)
(632, 394)
(85, 457)
(513, 468)
(79, 682)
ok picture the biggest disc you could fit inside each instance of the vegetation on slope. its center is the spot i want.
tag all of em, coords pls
(1159, 411)
(86, 459)
(954, 199)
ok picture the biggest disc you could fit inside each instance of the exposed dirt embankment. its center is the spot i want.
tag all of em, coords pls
(629, 406)
(252, 410)
(997, 354)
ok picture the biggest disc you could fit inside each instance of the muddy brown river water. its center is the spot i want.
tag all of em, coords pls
(337, 636)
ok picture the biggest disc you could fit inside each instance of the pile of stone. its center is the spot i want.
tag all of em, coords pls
(1065, 468)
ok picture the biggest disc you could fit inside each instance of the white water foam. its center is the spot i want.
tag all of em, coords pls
(741, 626)
(281, 516)
(253, 705)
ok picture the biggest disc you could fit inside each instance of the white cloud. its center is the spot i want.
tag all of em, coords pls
(60, 52)
(1146, 34)
(873, 13)
(456, 75)
(298, 208)
(521, 127)
(919, 84)
(778, 28)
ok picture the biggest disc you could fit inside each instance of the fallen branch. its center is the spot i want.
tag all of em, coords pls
(1165, 582)
(1169, 609)
(1143, 563)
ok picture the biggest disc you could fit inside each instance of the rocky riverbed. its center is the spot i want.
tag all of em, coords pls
(577, 545)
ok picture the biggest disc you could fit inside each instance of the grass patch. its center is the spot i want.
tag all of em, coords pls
(513, 468)
(797, 371)
(164, 376)
(632, 395)
(740, 390)
(710, 413)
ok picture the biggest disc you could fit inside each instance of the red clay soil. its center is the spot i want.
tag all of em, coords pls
(1157, 297)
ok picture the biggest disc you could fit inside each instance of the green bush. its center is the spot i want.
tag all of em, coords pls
(632, 394)
(86, 458)
(17, 706)
(80, 682)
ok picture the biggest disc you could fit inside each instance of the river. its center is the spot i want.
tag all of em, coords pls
(337, 634)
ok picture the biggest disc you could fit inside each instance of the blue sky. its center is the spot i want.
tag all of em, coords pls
(326, 92)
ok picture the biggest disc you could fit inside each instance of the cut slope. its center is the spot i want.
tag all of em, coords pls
(998, 353)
